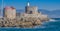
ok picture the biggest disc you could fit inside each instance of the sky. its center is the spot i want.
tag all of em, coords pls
(41, 4)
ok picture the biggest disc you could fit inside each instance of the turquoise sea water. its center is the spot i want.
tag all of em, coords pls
(52, 25)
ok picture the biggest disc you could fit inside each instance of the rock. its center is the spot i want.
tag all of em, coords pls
(37, 22)
(26, 24)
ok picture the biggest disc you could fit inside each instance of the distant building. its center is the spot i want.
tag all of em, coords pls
(10, 12)
(34, 9)
(31, 10)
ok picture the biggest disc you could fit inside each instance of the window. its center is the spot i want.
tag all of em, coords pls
(30, 12)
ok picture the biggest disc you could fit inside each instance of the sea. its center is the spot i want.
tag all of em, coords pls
(51, 25)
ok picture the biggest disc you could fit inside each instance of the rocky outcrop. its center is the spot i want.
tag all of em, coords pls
(24, 22)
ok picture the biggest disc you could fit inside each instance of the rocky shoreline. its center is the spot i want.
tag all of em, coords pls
(21, 22)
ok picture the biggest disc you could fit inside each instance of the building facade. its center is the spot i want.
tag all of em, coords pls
(31, 10)
(10, 12)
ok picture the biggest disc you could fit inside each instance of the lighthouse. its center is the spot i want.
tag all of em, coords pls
(31, 9)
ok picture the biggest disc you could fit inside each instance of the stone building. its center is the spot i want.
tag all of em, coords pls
(31, 10)
(10, 12)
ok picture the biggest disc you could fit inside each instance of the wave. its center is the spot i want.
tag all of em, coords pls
(47, 23)
(52, 20)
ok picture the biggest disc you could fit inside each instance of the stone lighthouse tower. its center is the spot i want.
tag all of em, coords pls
(27, 8)
(30, 9)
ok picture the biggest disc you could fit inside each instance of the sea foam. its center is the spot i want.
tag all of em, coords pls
(52, 20)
